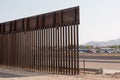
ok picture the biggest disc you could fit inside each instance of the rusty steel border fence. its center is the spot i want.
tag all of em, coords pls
(46, 43)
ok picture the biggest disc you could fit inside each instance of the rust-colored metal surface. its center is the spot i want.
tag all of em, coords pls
(46, 42)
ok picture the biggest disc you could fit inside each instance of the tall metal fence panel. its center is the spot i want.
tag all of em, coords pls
(45, 43)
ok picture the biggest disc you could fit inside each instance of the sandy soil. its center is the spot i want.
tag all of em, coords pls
(61, 77)
(104, 65)
(25, 75)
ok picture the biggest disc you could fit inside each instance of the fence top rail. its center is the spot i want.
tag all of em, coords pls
(58, 18)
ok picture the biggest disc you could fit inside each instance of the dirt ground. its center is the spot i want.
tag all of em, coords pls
(10, 74)
(104, 65)
(62, 77)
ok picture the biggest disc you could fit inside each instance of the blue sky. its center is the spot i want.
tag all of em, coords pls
(100, 19)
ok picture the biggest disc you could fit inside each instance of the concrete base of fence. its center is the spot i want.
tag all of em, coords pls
(91, 70)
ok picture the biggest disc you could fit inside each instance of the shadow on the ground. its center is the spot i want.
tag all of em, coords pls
(8, 75)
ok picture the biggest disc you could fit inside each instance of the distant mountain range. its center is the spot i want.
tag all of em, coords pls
(104, 43)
